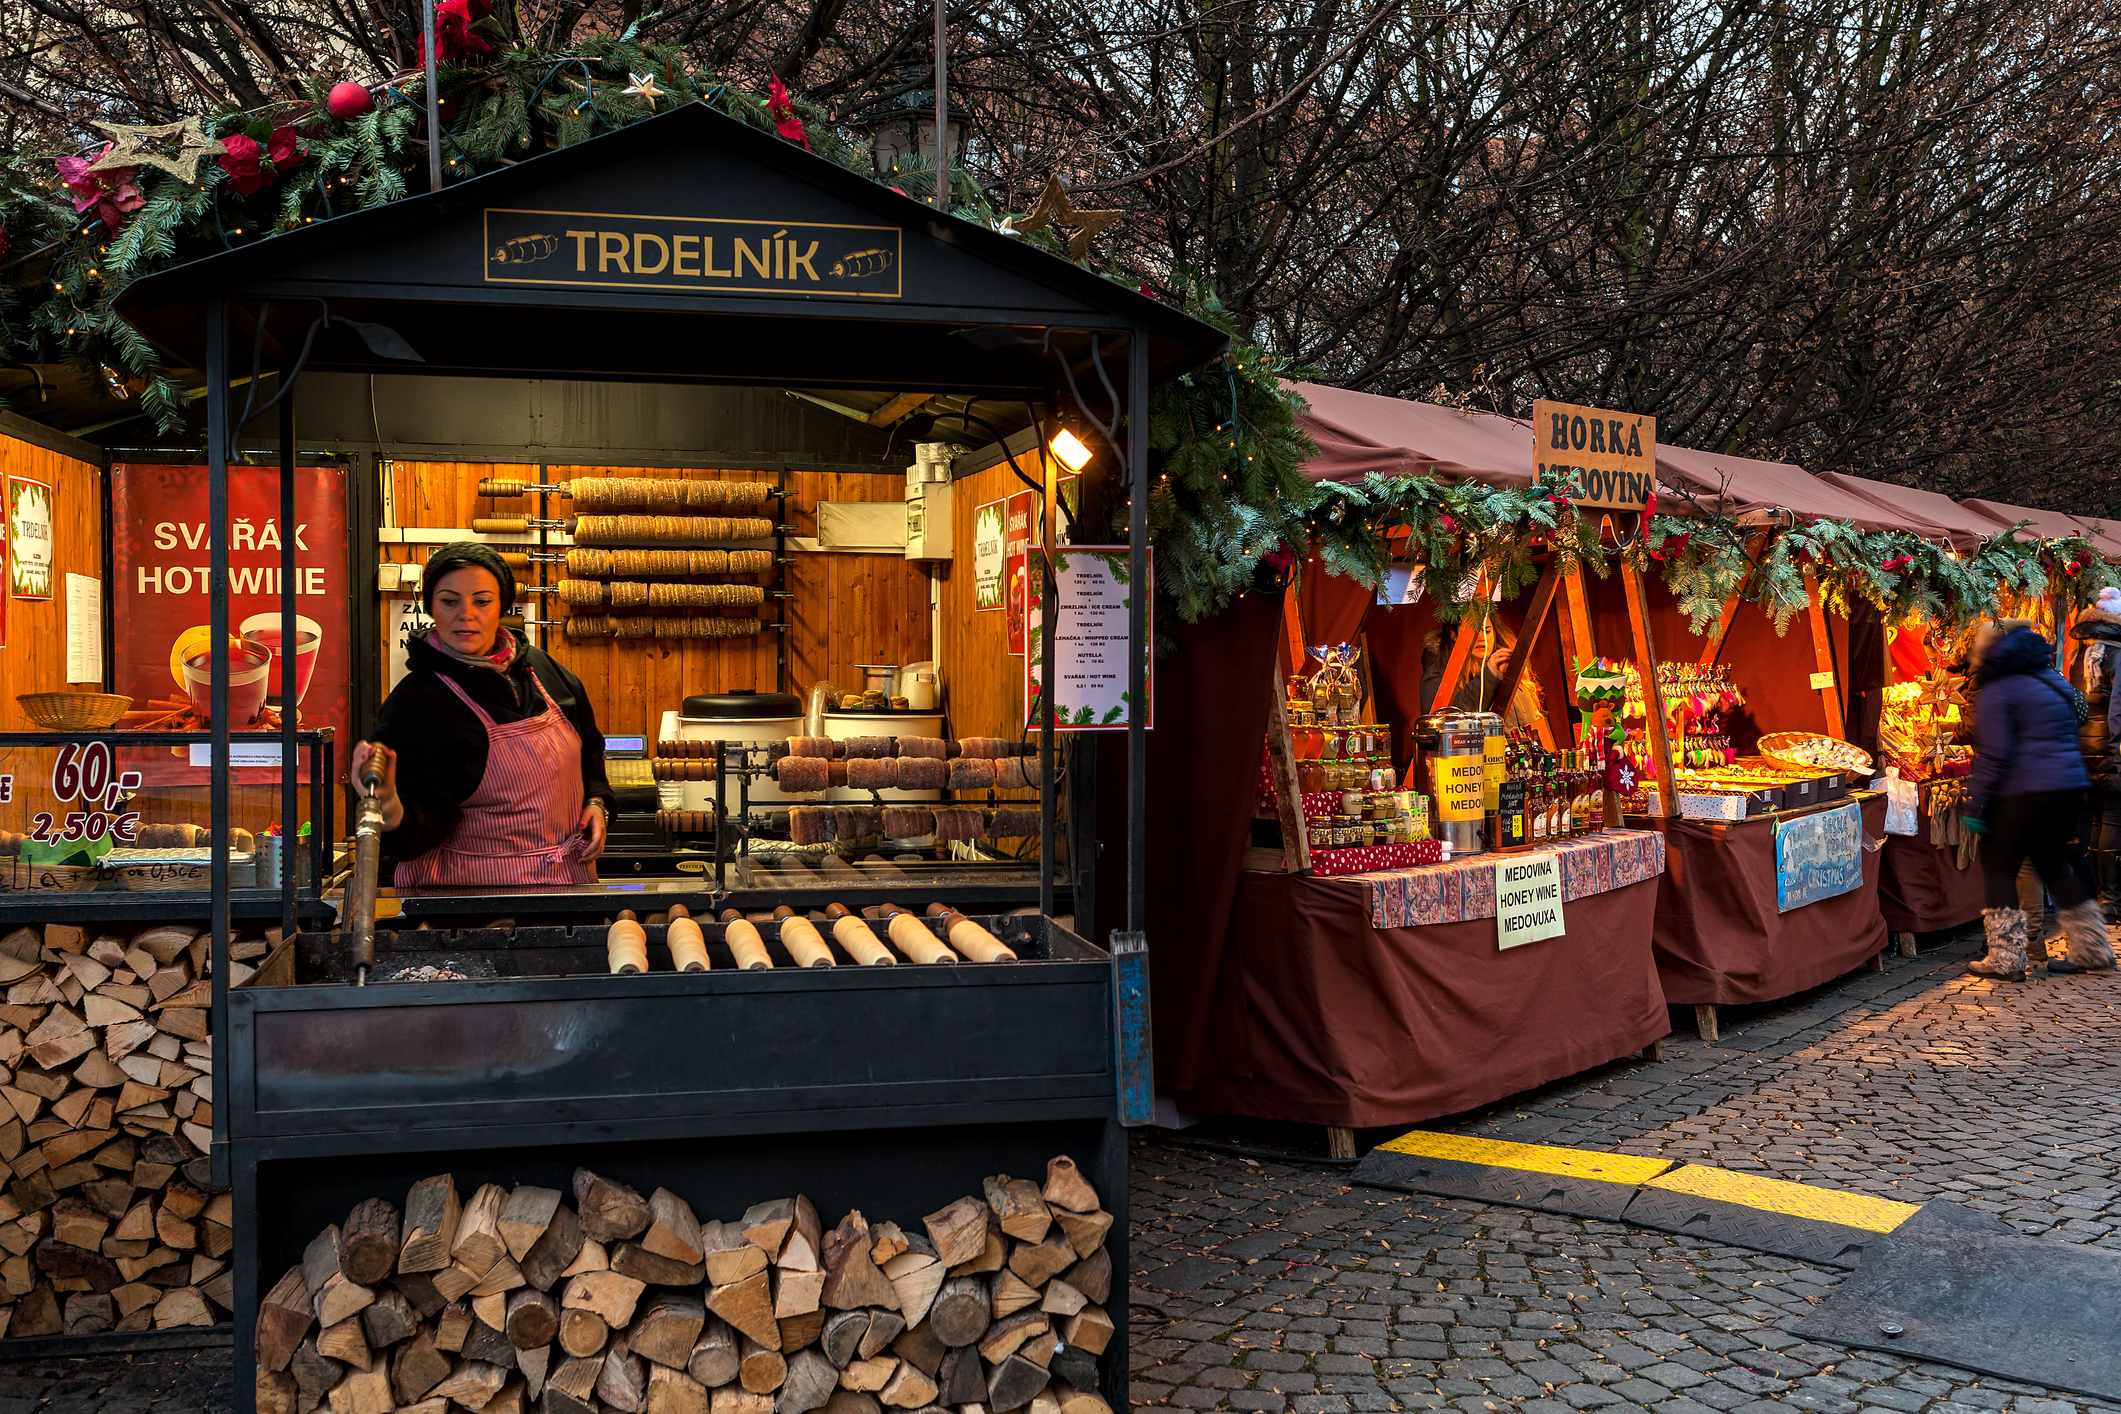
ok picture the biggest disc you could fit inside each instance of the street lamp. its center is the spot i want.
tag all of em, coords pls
(902, 128)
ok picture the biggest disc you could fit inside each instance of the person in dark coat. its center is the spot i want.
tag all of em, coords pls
(2097, 634)
(2026, 791)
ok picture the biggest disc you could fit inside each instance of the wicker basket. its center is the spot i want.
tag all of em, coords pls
(74, 711)
(1776, 745)
(20, 877)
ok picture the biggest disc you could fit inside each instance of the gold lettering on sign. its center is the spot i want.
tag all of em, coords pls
(678, 253)
(683, 248)
(641, 241)
(708, 261)
(802, 260)
(759, 261)
(581, 241)
(611, 245)
(1610, 458)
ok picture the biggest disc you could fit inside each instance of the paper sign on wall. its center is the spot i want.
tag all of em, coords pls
(29, 538)
(408, 620)
(84, 629)
(1527, 900)
(1818, 856)
(1823, 682)
(1020, 588)
(988, 561)
(1091, 612)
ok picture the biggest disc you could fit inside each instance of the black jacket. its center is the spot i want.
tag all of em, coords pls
(441, 745)
(2092, 668)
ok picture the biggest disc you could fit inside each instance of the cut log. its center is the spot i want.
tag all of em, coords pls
(576, 1378)
(759, 1369)
(810, 1383)
(502, 1277)
(524, 1218)
(1073, 1400)
(841, 1338)
(419, 1290)
(1018, 1207)
(368, 1244)
(851, 1279)
(729, 1255)
(583, 1333)
(532, 1365)
(276, 1392)
(748, 1305)
(1086, 1231)
(1092, 1276)
(611, 1295)
(592, 1258)
(362, 1392)
(868, 1376)
(1075, 1367)
(961, 1381)
(765, 1226)
(1004, 1336)
(1013, 1383)
(847, 1401)
(735, 1399)
(340, 1299)
(489, 1345)
(884, 1327)
(803, 1250)
(799, 1331)
(714, 1355)
(1088, 1329)
(636, 1261)
(314, 1374)
(673, 1230)
(555, 1249)
(471, 1384)
(320, 1259)
(1061, 1299)
(284, 1317)
(511, 1400)
(958, 1231)
(346, 1342)
(431, 1213)
(667, 1328)
(98, 1071)
(1039, 1349)
(1008, 1294)
(885, 1242)
(916, 1276)
(478, 1242)
(451, 1328)
(1045, 1401)
(532, 1318)
(796, 1293)
(672, 1391)
(390, 1317)
(623, 1382)
(918, 1346)
(609, 1211)
(992, 1258)
(76, 1224)
(961, 1312)
(907, 1388)
(1040, 1262)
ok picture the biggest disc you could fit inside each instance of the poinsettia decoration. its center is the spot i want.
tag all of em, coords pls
(110, 193)
(457, 27)
(255, 156)
(785, 119)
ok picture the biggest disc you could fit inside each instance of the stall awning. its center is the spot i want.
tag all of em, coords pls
(687, 247)
(1929, 513)
(1744, 487)
(2053, 525)
(1358, 433)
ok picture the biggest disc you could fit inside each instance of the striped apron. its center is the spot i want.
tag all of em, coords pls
(522, 825)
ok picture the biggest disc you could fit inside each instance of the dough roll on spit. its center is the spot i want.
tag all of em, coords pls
(688, 946)
(972, 773)
(970, 938)
(803, 775)
(959, 822)
(922, 773)
(869, 773)
(1013, 824)
(987, 748)
(1015, 773)
(800, 936)
(812, 824)
(907, 822)
(926, 746)
(818, 746)
(913, 937)
(871, 746)
(857, 824)
(745, 943)
(854, 935)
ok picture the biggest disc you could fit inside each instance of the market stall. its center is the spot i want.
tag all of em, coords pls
(643, 1079)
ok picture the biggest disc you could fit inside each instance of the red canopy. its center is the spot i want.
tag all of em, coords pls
(2052, 525)
(1741, 486)
(1930, 513)
(1358, 433)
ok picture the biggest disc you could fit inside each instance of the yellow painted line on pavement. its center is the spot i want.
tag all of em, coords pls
(1535, 1158)
(1797, 1200)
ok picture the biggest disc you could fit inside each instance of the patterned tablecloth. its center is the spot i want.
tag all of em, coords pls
(1464, 889)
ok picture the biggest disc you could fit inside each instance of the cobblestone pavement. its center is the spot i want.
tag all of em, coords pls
(172, 1382)
(1278, 1287)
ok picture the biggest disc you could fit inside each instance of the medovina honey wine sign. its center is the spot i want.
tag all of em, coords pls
(687, 253)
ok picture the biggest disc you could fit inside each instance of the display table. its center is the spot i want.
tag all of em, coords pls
(1720, 939)
(1330, 1014)
(1923, 889)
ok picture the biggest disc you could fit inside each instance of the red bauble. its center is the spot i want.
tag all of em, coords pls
(348, 101)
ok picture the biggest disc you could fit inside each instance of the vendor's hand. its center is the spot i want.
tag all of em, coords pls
(1973, 826)
(593, 827)
(386, 793)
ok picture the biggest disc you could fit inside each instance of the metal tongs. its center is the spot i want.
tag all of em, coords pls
(360, 907)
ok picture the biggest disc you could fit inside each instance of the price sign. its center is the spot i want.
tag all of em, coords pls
(87, 773)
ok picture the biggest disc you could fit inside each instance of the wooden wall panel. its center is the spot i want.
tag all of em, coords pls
(848, 609)
(985, 679)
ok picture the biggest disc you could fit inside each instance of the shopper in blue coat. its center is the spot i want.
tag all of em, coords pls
(2027, 789)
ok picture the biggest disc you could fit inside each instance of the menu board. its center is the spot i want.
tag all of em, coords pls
(1092, 604)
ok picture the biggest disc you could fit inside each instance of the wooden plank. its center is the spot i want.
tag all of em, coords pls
(900, 406)
(1653, 696)
(1579, 641)
(1281, 764)
(1535, 618)
(1454, 666)
(1823, 658)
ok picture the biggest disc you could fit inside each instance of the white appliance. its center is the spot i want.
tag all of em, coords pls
(842, 725)
(758, 718)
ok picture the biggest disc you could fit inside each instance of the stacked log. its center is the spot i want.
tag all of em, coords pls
(514, 1301)
(109, 1221)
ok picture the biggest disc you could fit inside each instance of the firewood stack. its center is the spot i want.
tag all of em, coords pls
(517, 1303)
(109, 1221)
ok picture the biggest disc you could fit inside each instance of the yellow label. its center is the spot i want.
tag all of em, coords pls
(1491, 749)
(1461, 788)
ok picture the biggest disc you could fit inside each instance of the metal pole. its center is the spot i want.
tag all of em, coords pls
(942, 107)
(218, 437)
(1138, 646)
(434, 104)
(290, 791)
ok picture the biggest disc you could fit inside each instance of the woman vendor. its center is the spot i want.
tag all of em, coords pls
(492, 765)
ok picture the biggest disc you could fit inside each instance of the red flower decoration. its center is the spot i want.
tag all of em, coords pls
(283, 147)
(109, 193)
(1897, 563)
(1649, 507)
(240, 158)
(785, 121)
(454, 40)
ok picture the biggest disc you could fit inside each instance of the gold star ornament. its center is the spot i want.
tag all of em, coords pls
(643, 86)
(129, 147)
(1054, 209)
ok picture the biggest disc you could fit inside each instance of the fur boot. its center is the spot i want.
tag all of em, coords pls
(2089, 948)
(2005, 928)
